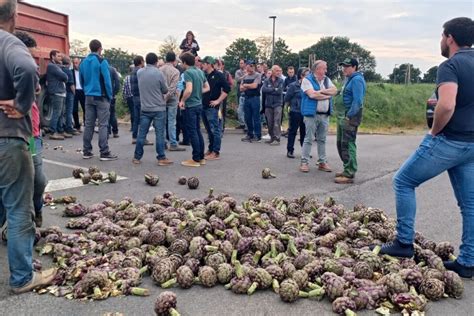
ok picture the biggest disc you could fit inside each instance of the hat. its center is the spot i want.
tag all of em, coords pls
(209, 60)
(250, 62)
(349, 62)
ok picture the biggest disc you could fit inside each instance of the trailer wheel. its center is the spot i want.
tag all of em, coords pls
(45, 109)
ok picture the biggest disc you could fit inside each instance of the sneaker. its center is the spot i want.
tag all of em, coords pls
(56, 136)
(87, 155)
(116, 136)
(202, 162)
(213, 156)
(74, 132)
(342, 174)
(108, 157)
(184, 144)
(247, 139)
(38, 219)
(463, 271)
(39, 279)
(256, 140)
(322, 166)
(67, 135)
(275, 143)
(268, 141)
(207, 154)
(148, 143)
(266, 137)
(290, 155)
(344, 180)
(397, 249)
(164, 162)
(176, 148)
(136, 161)
(304, 167)
(190, 163)
(134, 141)
(284, 134)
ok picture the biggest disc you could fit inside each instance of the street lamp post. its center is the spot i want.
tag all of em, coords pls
(273, 17)
(395, 73)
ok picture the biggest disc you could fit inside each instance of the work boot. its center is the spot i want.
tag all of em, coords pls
(190, 163)
(67, 135)
(344, 180)
(176, 148)
(56, 136)
(324, 167)
(396, 249)
(463, 271)
(213, 156)
(39, 279)
(164, 162)
(304, 167)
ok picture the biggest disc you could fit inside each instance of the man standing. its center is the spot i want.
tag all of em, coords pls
(273, 89)
(250, 86)
(290, 78)
(70, 90)
(128, 96)
(448, 147)
(95, 78)
(113, 124)
(152, 84)
(195, 85)
(220, 66)
(18, 81)
(219, 88)
(56, 79)
(79, 96)
(316, 107)
(349, 118)
(171, 74)
(239, 75)
(139, 63)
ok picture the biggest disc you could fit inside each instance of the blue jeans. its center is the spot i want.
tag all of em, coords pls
(318, 125)
(40, 181)
(213, 127)
(192, 119)
(435, 156)
(159, 122)
(172, 109)
(252, 116)
(136, 116)
(16, 199)
(68, 124)
(240, 111)
(57, 104)
(131, 110)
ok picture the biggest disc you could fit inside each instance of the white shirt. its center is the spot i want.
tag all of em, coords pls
(78, 80)
(323, 105)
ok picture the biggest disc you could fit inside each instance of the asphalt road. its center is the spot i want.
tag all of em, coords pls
(238, 173)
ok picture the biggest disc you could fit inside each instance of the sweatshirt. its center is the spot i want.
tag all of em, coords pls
(56, 78)
(353, 94)
(95, 76)
(152, 85)
(18, 81)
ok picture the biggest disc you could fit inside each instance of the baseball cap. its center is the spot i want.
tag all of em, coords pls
(250, 62)
(209, 60)
(349, 62)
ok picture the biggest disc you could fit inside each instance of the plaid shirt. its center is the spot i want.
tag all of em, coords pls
(127, 88)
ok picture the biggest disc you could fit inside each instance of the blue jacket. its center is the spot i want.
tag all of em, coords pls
(308, 105)
(95, 77)
(293, 96)
(354, 93)
(56, 79)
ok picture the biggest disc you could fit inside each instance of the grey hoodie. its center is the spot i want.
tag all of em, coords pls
(152, 85)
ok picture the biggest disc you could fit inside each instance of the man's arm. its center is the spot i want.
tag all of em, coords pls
(163, 85)
(104, 68)
(444, 110)
(57, 72)
(186, 94)
(357, 98)
(116, 81)
(225, 89)
(205, 87)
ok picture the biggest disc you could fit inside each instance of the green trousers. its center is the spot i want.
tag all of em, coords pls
(346, 143)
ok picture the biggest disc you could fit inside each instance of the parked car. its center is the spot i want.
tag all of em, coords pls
(430, 107)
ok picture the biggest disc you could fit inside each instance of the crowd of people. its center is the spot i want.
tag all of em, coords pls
(175, 98)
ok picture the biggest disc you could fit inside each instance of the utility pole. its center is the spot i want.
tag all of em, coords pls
(395, 73)
(273, 17)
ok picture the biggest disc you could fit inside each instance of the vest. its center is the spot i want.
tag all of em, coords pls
(308, 105)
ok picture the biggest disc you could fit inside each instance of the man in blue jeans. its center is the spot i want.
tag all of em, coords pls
(250, 87)
(153, 87)
(219, 88)
(195, 85)
(139, 63)
(448, 147)
(18, 81)
(56, 87)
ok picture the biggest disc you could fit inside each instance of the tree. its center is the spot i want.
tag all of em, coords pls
(372, 76)
(170, 44)
(240, 48)
(399, 74)
(78, 49)
(264, 45)
(283, 55)
(119, 59)
(430, 75)
(334, 50)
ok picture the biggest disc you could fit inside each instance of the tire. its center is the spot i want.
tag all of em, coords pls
(45, 109)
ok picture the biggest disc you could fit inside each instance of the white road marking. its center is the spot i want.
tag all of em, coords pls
(68, 183)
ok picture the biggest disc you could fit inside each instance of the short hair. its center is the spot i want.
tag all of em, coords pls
(151, 59)
(188, 59)
(66, 60)
(95, 45)
(301, 72)
(461, 29)
(26, 39)
(138, 60)
(170, 57)
(7, 10)
(316, 64)
(53, 53)
(242, 59)
(290, 68)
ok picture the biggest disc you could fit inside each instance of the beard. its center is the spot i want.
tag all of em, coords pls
(445, 51)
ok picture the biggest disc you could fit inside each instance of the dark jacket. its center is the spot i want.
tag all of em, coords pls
(274, 92)
(193, 48)
(293, 96)
(70, 78)
(56, 79)
(288, 81)
(354, 93)
(114, 77)
(134, 82)
(217, 84)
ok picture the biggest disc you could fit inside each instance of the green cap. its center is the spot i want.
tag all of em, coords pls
(209, 60)
(352, 62)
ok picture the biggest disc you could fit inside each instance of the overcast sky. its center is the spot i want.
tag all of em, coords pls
(394, 31)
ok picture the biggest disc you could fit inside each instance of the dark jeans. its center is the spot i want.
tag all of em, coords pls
(252, 116)
(40, 178)
(181, 126)
(79, 97)
(57, 104)
(68, 125)
(16, 204)
(346, 142)
(158, 119)
(113, 125)
(296, 122)
(213, 128)
(131, 110)
(224, 111)
(193, 127)
(97, 108)
(136, 116)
